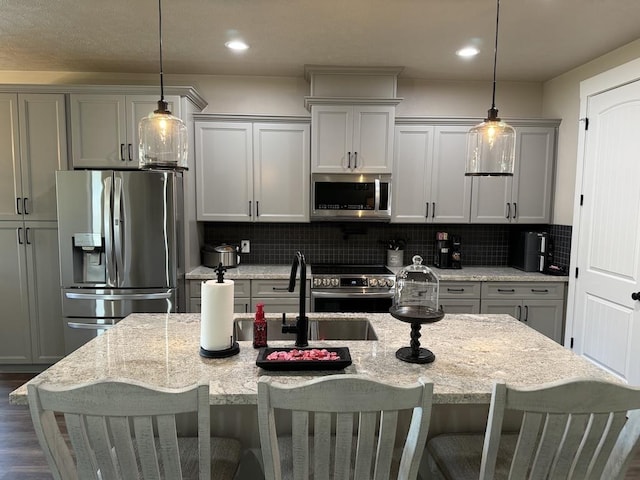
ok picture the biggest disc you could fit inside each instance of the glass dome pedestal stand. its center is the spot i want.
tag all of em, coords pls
(416, 316)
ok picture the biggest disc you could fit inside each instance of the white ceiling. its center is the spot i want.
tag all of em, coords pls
(539, 39)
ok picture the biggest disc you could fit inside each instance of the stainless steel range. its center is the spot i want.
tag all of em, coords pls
(351, 288)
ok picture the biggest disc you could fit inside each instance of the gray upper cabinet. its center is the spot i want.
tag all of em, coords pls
(104, 128)
(33, 145)
(429, 185)
(526, 197)
(252, 171)
(352, 138)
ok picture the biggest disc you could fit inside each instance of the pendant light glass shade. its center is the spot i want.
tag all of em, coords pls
(163, 140)
(491, 148)
(163, 137)
(491, 145)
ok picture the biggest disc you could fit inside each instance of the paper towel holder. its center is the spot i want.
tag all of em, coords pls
(234, 347)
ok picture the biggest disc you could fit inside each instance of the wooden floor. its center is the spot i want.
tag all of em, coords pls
(20, 454)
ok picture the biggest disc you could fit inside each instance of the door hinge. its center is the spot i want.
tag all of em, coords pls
(576, 272)
(581, 199)
(571, 343)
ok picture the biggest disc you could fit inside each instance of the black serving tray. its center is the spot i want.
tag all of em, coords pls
(262, 362)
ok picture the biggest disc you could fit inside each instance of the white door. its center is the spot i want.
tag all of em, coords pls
(606, 320)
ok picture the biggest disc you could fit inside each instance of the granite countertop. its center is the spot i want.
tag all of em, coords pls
(471, 352)
(479, 274)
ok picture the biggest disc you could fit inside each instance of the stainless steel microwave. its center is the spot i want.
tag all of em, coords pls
(350, 196)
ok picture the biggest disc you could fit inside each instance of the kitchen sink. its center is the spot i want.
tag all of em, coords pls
(319, 329)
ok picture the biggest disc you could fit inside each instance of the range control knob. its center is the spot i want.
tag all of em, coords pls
(317, 282)
(335, 282)
(390, 282)
(326, 282)
(373, 282)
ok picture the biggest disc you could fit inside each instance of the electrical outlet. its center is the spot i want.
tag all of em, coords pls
(245, 246)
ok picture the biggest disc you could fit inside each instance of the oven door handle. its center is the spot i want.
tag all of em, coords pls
(326, 294)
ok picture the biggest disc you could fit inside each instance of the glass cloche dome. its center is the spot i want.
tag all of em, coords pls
(416, 302)
(417, 291)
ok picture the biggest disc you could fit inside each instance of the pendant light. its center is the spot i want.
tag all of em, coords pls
(163, 137)
(491, 145)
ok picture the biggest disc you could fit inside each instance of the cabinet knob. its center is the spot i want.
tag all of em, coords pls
(635, 296)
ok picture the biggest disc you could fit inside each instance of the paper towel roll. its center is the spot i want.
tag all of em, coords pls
(216, 322)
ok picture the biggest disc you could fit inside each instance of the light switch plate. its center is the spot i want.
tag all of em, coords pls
(245, 246)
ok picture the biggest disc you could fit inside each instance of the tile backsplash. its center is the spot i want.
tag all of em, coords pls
(365, 243)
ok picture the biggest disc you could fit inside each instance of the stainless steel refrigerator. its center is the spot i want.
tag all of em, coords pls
(120, 245)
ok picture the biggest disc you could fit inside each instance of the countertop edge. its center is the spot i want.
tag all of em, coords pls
(465, 274)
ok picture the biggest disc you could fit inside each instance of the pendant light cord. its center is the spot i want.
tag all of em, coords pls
(160, 38)
(495, 57)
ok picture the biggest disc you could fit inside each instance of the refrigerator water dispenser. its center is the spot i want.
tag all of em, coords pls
(89, 259)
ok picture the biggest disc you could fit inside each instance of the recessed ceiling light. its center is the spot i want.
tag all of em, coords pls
(236, 45)
(467, 52)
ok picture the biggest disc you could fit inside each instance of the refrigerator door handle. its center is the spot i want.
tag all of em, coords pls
(129, 296)
(108, 233)
(117, 229)
(88, 326)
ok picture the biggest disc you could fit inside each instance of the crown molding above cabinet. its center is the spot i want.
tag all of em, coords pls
(188, 92)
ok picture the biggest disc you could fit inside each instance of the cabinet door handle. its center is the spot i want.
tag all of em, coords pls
(257, 208)
(526, 313)
(349, 159)
(130, 149)
(24, 205)
(280, 289)
(18, 202)
(250, 211)
(519, 314)
(539, 290)
(122, 152)
(26, 235)
(426, 215)
(506, 290)
(433, 210)
(508, 210)
(515, 210)
(20, 241)
(455, 290)
(355, 159)
(635, 296)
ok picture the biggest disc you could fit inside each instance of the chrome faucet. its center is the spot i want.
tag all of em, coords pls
(301, 326)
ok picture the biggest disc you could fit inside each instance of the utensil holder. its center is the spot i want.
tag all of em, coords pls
(395, 258)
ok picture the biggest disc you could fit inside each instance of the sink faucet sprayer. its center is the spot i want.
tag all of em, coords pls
(302, 322)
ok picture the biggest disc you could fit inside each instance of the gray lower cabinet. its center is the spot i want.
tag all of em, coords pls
(241, 296)
(31, 325)
(539, 305)
(247, 293)
(460, 297)
(275, 295)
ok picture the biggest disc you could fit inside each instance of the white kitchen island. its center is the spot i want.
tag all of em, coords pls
(471, 352)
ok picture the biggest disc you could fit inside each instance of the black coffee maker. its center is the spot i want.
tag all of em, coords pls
(448, 253)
